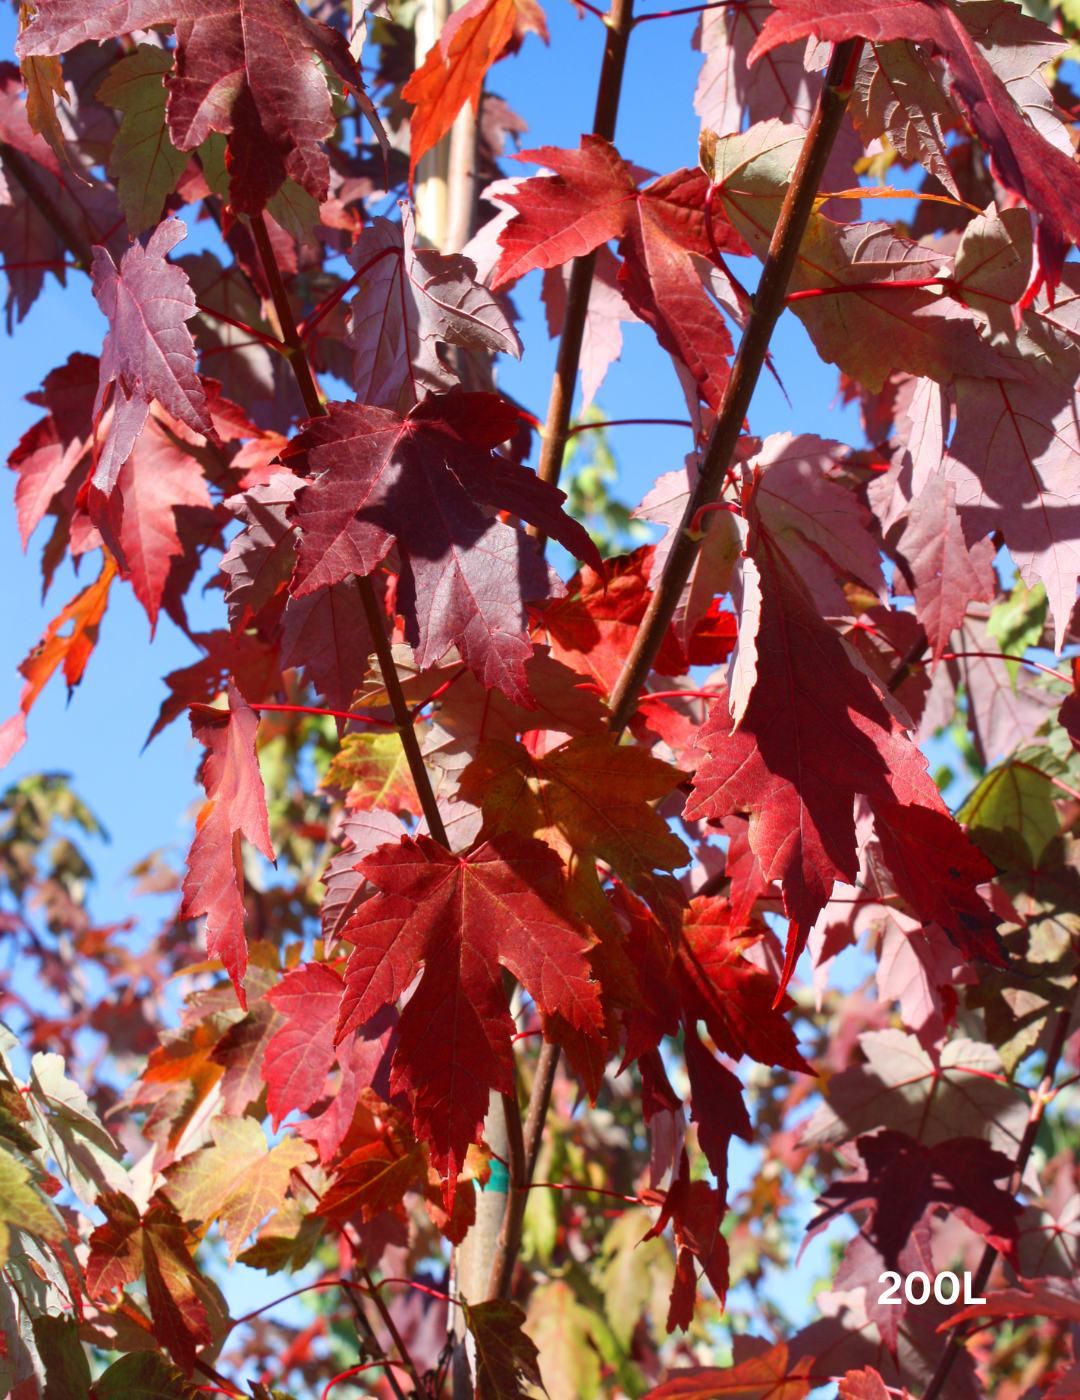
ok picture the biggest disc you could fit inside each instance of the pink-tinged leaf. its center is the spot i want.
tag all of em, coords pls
(245, 69)
(1026, 162)
(916, 965)
(716, 1106)
(235, 806)
(422, 480)
(900, 95)
(260, 560)
(461, 917)
(601, 343)
(813, 733)
(1036, 1297)
(360, 834)
(763, 1375)
(948, 574)
(408, 302)
(148, 352)
(326, 632)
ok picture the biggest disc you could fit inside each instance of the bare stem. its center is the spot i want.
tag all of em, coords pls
(1042, 1096)
(294, 346)
(523, 1161)
(768, 306)
(363, 1324)
(376, 619)
(619, 22)
(395, 1335)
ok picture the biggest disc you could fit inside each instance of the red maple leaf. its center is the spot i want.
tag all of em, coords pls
(246, 69)
(594, 197)
(461, 918)
(422, 481)
(814, 732)
(235, 806)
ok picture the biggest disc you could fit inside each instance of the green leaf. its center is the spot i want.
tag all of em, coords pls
(13, 1114)
(86, 1154)
(1018, 623)
(67, 1372)
(635, 1272)
(292, 207)
(1013, 797)
(144, 162)
(564, 1333)
(23, 1206)
(143, 1375)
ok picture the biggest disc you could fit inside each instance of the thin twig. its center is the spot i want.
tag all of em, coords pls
(628, 422)
(395, 1335)
(619, 23)
(768, 306)
(364, 1325)
(376, 619)
(509, 1241)
(1042, 1096)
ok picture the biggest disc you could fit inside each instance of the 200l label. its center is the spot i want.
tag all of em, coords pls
(917, 1288)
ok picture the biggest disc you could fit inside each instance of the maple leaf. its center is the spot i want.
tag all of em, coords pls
(327, 633)
(241, 1052)
(867, 333)
(422, 481)
(694, 1210)
(593, 198)
(1024, 160)
(1036, 1297)
(902, 1087)
(143, 161)
(799, 747)
(462, 917)
(408, 301)
(143, 1376)
(900, 1184)
(593, 627)
(239, 1180)
(24, 1207)
(49, 452)
(947, 574)
(898, 94)
(154, 1243)
(937, 869)
(862, 1385)
(453, 71)
(235, 806)
(505, 1354)
(716, 1106)
(245, 69)
(261, 558)
(766, 1376)
(373, 770)
(84, 612)
(253, 664)
(589, 800)
(148, 352)
(601, 342)
(158, 482)
(302, 1053)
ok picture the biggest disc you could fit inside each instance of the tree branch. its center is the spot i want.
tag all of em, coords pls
(403, 720)
(388, 1323)
(522, 1172)
(1042, 1096)
(619, 21)
(768, 306)
(364, 1325)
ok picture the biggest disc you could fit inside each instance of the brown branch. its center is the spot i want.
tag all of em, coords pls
(1042, 1096)
(364, 1325)
(22, 167)
(619, 21)
(522, 1171)
(294, 346)
(768, 306)
(403, 720)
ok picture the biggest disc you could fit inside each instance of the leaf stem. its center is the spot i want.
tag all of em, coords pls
(531, 1136)
(900, 285)
(767, 308)
(403, 719)
(627, 422)
(318, 710)
(619, 22)
(270, 341)
(1042, 1096)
